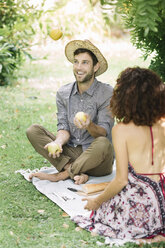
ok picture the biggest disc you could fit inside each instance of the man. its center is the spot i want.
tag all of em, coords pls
(85, 147)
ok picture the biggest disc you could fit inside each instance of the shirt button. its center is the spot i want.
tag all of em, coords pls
(78, 139)
(81, 100)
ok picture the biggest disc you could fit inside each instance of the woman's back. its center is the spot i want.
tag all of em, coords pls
(146, 146)
(132, 205)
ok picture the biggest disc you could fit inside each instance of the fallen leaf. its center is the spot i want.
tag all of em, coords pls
(83, 241)
(65, 215)
(30, 157)
(63, 246)
(94, 234)
(78, 229)
(65, 225)
(3, 146)
(40, 211)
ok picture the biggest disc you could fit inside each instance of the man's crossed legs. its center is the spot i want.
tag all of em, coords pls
(74, 163)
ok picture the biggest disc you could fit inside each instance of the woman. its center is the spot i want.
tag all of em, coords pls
(133, 203)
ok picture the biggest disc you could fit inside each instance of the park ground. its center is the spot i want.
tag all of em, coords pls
(28, 218)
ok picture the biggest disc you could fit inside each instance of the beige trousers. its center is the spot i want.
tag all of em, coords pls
(96, 160)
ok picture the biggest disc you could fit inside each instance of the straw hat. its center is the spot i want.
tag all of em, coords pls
(72, 46)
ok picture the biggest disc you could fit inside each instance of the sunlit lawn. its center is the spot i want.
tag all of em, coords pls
(32, 100)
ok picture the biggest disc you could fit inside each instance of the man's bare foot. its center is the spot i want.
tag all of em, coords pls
(51, 177)
(158, 238)
(79, 179)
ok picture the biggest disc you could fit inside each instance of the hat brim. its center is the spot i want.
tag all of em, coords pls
(72, 46)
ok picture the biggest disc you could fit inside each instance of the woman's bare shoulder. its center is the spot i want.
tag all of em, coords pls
(161, 123)
(120, 127)
(159, 130)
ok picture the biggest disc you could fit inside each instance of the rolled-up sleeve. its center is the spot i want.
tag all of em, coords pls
(62, 119)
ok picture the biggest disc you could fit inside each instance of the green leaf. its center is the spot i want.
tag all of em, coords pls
(154, 29)
(40, 25)
(146, 31)
(154, 2)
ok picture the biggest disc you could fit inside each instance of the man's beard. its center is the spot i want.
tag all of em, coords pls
(86, 79)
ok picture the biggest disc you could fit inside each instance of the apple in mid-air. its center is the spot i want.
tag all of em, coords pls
(55, 34)
(53, 148)
(81, 116)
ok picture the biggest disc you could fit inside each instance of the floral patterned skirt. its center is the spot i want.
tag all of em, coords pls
(138, 211)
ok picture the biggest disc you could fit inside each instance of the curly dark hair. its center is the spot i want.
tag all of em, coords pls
(138, 96)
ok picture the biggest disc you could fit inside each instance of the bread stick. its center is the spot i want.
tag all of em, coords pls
(91, 188)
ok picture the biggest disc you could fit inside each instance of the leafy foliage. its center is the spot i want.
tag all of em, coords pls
(145, 19)
(16, 33)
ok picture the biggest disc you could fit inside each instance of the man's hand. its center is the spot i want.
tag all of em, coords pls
(82, 123)
(54, 149)
(92, 204)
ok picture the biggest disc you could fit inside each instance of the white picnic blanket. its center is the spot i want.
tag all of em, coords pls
(58, 192)
(71, 202)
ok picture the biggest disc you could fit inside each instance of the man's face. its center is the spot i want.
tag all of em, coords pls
(83, 68)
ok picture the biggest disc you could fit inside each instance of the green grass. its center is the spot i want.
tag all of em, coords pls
(32, 100)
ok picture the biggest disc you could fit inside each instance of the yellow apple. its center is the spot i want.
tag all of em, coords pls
(81, 116)
(53, 148)
(55, 34)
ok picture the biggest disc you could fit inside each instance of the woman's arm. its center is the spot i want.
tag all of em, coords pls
(121, 179)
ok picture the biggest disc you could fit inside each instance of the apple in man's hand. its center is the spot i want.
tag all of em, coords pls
(54, 148)
(81, 116)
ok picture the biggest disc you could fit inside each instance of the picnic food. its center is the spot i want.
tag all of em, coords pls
(53, 148)
(81, 116)
(55, 34)
(91, 188)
